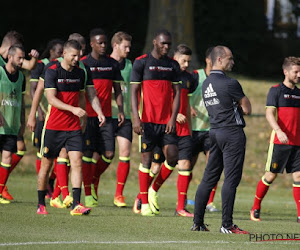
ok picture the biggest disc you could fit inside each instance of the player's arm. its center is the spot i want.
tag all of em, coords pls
(94, 100)
(82, 105)
(271, 118)
(119, 101)
(245, 105)
(35, 104)
(136, 123)
(30, 64)
(171, 125)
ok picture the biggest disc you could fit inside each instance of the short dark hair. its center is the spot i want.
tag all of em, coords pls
(97, 32)
(183, 50)
(290, 61)
(119, 37)
(13, 37)
(162, 32)
(51, 44)
(218, 51)
(208, 52)
(77, 37)
(12, 50)
(72, 44)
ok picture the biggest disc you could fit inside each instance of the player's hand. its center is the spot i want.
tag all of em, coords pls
(181, 118)
(34, 53)
(171, 127)
(31, 123)
(193, 112)
(282, 136)
(102, 120)
(121, 119)
(137, 126)
(78, 112)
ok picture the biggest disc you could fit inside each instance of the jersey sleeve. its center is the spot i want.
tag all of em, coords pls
(137, 72)
(235, 90)
(272, 98)
(50, 79)
(36, 73)
(89, 80)
(117, 73)
(177, 73)
(42, 76)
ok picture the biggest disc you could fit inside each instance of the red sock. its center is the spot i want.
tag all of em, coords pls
(4, 173)
(212, 194)
(122, 173)
(144, 183)
(102, 164)
(56, 191)
(16, 157)
(261, 190)
(38, 164)
(87, 174)
(164, 173)
(296, 192)
(150, 179)
(62, 176)
(182, 187)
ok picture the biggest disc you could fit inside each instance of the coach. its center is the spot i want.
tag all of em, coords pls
(226, 104)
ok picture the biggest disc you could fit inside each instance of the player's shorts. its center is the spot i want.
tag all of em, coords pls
(200, 142)
(99, 139)
(55, 140)
(158, 155)
(125, 130)
(154, 135)
(282, 157)
(37, 134)
(184, 147)
(8, 143)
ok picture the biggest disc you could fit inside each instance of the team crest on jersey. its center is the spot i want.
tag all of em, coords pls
(46, 150)
(188, 84)
(87, 142)
(274, 165)
(144, 145)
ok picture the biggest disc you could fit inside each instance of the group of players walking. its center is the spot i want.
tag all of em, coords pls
(82, 104)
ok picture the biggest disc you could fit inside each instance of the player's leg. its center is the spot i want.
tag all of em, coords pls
(296, 192)
(122, 170)
(74, 148)
(277, 159)
(4, 173)
(232, 142)
(210, 178)
(184, 171)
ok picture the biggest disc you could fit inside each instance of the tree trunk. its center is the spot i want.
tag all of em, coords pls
(177, 17)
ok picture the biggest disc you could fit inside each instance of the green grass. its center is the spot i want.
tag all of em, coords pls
(111, 227)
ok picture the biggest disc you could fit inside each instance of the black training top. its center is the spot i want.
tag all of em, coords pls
(221, 95)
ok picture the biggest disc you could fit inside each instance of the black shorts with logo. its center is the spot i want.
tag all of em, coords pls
(282, 157)
(125, 130)
(55, 140)
(8, 143)
(99, 139)
(154, 135)
(158, 155)
(200, 142)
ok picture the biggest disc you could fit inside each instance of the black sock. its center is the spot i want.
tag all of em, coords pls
(41, 197)
(76, 196)
(51, 184)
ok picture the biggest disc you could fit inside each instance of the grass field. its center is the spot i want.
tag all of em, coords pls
(114, 228)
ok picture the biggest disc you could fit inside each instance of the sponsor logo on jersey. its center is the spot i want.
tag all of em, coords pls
(287, 96)
(160, 68)
(209, 92)
(68, 81)
(101, 69)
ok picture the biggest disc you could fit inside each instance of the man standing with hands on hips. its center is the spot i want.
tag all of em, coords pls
(226, 104)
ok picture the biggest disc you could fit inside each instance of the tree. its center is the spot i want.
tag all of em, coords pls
(177, 17)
